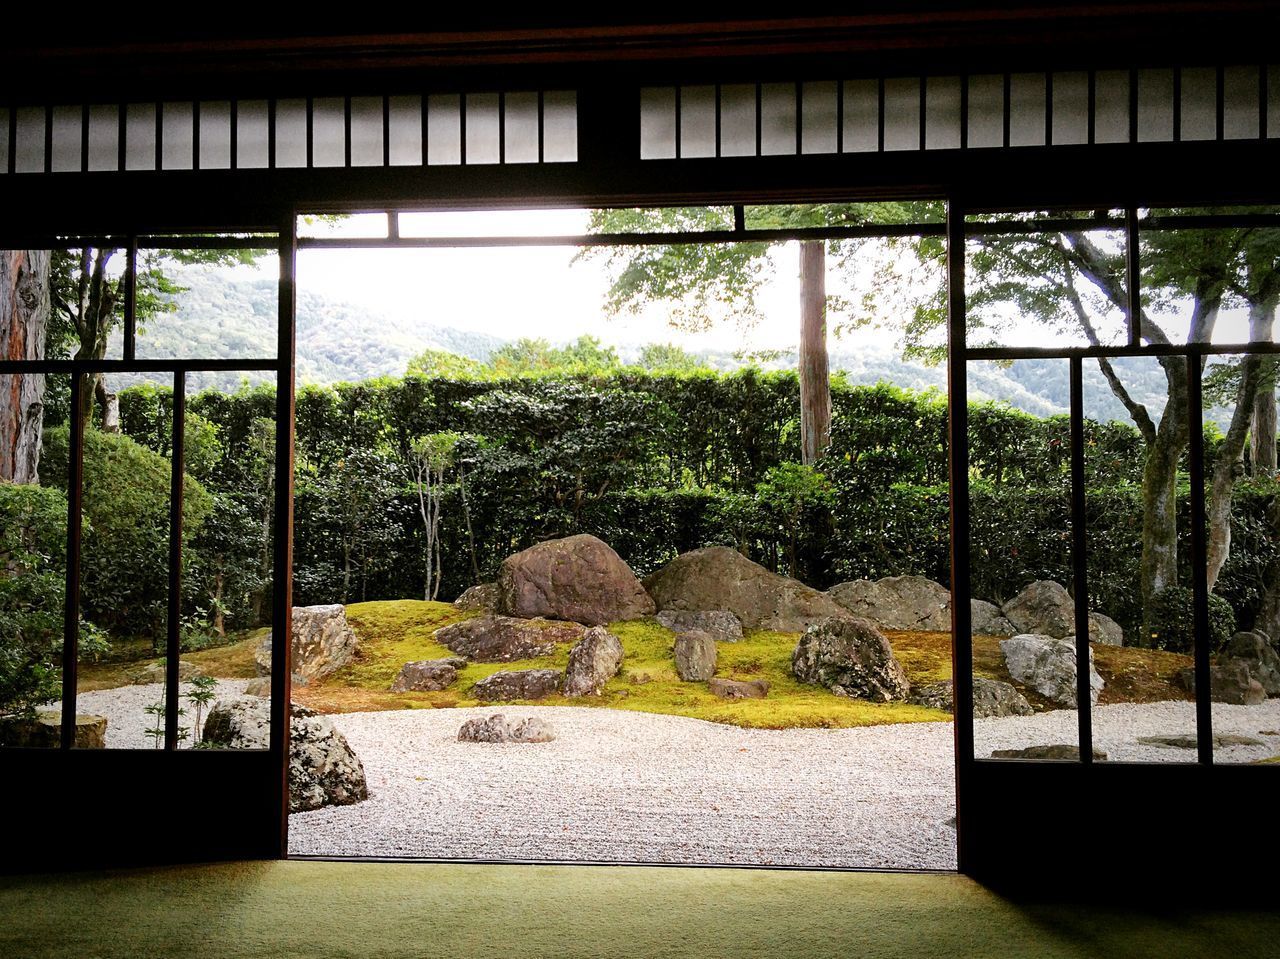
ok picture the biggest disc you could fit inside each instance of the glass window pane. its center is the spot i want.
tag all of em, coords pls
(520, 126)
(366, 131)
(371, 225)
(140, 136)
(68, 128)
(1070, 108)
(291, 133)
(1273, 101)
(861, 116)
(215, 135)
(104, 138)
(902, 114)
(698, 121)
(560, 126)
(406, 131)
(778, 119)
(942, 120)
(252, 131)
(328, 132)
(738, 120)
(657, 123)
(177, 122)
(4, 139)
(30, 140)
(819, 120)
(986, 111)
(444, 129)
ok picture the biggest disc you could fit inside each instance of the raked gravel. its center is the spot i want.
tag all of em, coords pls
(621, 786)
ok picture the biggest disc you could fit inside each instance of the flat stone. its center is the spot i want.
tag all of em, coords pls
(45, 731)
(738, 689)
(155, 673)
(427, 675)
(1057, 751)
(695, 654)
(502, 639)
(721, 624)
(1189, 741)
(518, 684)
(497, 728)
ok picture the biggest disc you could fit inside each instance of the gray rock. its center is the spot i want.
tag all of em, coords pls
(427, 675)
(991, 699)
(850, 657)
(259, 687)
(44, 731)
(497, 728)
(323, 769)
(720, 623)
(578, 578)
(154, 673)
(1048, 666)
(518, 684)
(897, 602)
(323, 642)
(1229, 682)
(987, 620)
(1188, 740)
(1058, 751)
(1259, 657)
(481, 596)
(695, 653)
(1044, 608)
(739, 689)
(717, 577)
(501, 639)
(1103, 629)
(594, 661)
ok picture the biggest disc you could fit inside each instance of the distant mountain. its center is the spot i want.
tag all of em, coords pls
(339, 341)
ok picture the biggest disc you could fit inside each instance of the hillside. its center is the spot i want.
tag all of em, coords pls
(340, 341)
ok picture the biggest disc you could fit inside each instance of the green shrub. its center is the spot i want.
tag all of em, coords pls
(1173, 620)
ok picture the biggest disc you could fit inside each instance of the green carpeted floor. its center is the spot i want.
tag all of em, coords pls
(318, 910)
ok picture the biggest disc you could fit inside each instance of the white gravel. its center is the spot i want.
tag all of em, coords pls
(127, 718)
(639, 787)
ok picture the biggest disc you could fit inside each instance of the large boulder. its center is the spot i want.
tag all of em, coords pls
(1259, 657)
(578, 578)
(897, 602)
(427, 675)
(323, 642)
(720, 623)
(497, 728)
(717, 577)
(482, 596)
(850, 657)
(991, 699)
(1048, 665)
(323, 769)
(518, 684)
(594, 661)
(1229, 682)
(1045, 608)
(501, 639)
(44, 731)
(985, 619)
(695, 653)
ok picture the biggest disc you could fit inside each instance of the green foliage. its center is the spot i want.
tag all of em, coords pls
(1172, 620)
(124, 556)
(445, 365)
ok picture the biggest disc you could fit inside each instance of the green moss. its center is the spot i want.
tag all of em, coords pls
(394, 633)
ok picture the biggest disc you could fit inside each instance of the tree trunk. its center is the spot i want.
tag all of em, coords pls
(815, 374)
(1227, 469)
(24, 315)
(1268, 619)
(1158, 567)
(1262, 434)
(109, 403)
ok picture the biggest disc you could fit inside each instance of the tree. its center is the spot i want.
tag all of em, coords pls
(24, 315)
(704, 283)
(1069, 278)
(429, 457)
